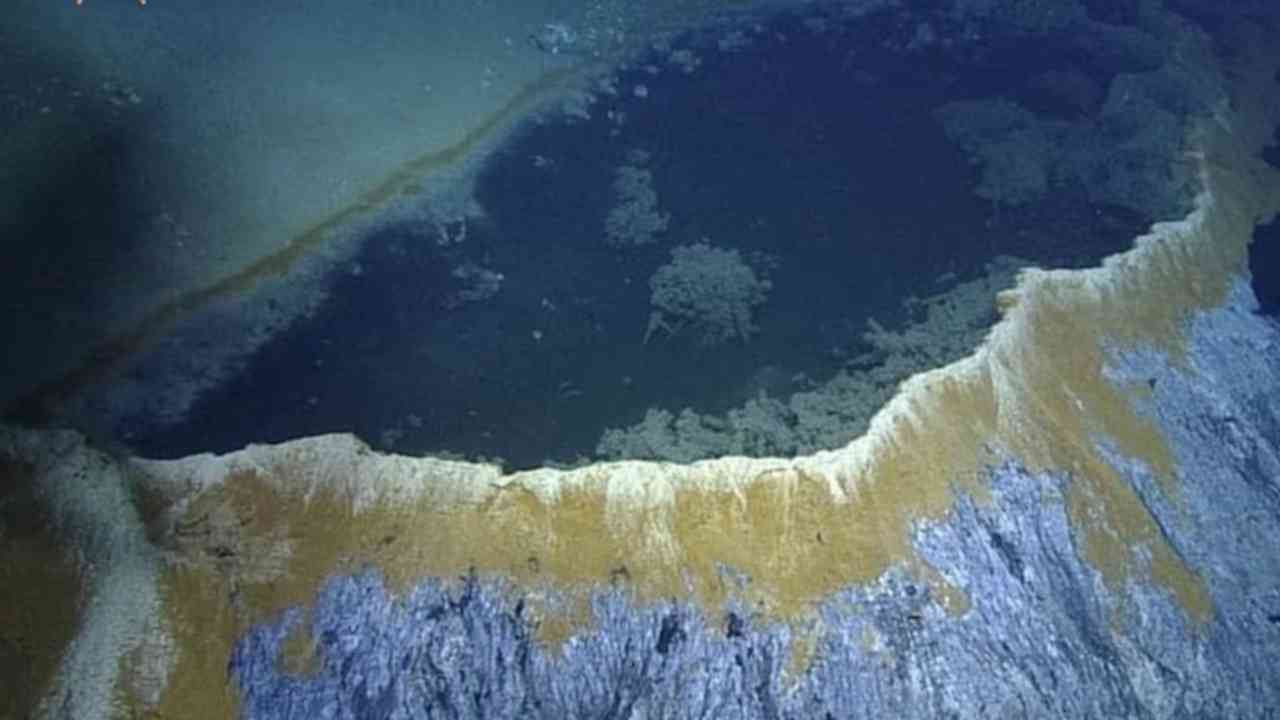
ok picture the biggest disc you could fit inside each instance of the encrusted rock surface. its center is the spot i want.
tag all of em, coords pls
(1044, 636)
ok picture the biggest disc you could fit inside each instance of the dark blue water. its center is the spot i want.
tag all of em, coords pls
(1264, 253)
(818, 157)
